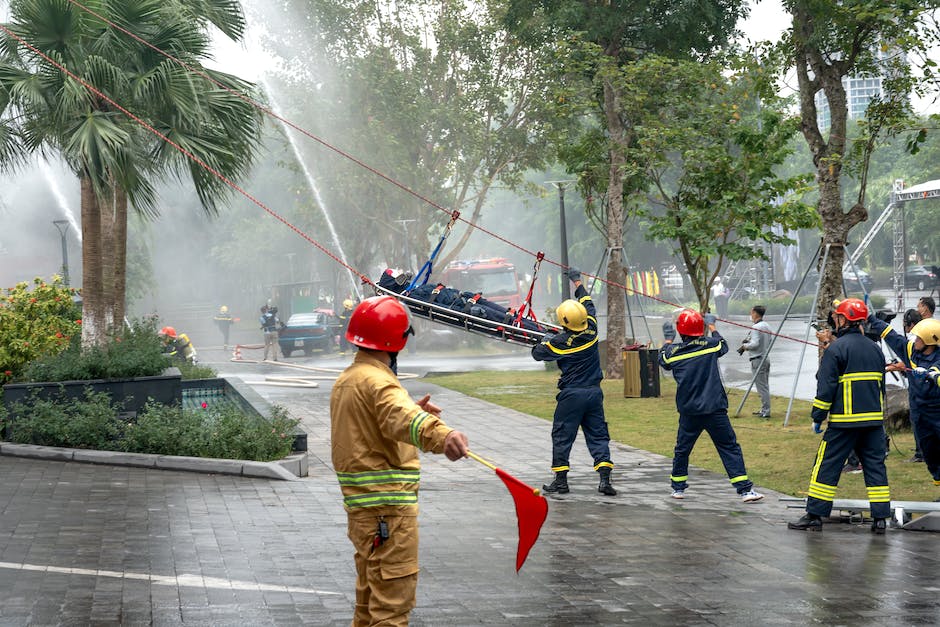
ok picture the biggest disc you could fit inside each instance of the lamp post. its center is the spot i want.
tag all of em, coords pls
(563, 235)
(63, 227)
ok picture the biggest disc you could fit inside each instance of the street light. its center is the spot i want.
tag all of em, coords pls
(63, 227)
(563, 234)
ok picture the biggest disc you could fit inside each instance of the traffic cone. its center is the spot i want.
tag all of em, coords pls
(237, 355)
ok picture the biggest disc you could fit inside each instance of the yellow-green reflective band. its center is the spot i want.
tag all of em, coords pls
(819, 457)
(736, 479)
(379, 476)
(416, 423)
(885, 332)
(818, 404)
(376, 499)
(560, 468)
(861, 376)
(704, 351)
(568, 351)
(820, 495)
(678, 479)
(864, 417)
(604, 465)
(822, 488)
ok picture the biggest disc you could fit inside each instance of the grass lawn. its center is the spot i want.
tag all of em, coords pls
(777, 457)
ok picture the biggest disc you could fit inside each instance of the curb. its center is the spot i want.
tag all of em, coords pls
(291, 468)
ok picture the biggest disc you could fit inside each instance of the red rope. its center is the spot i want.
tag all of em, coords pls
(327, 145)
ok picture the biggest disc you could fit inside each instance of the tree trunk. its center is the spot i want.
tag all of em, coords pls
(616, 275)
(119, 259)
(93, 317)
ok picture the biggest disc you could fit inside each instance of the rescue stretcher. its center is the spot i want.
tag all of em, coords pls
(898, 508)
(480, 326)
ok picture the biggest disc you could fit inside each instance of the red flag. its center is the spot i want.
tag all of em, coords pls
(531, 511)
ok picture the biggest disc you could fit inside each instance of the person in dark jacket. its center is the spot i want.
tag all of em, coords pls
(580, 398)
(850, 387)
(701, 401)
(922, 358)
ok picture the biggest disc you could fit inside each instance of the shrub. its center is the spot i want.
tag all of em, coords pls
(137, 352)
(221, 431)
(91, 423)
(193, 371)
(34, 322)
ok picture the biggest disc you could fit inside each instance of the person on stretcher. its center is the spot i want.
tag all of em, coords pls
(465, 302)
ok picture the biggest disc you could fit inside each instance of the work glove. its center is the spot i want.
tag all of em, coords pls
(669, 331)
(919, 373)
(574, 274)
(547, 337)
(709, 319)
(817, 428)
(741, 350)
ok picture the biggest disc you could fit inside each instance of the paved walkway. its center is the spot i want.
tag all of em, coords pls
(83, 544)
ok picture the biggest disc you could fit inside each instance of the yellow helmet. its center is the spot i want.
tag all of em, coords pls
(223, 309)
(348, 304)
(572, 315)
(928, 330)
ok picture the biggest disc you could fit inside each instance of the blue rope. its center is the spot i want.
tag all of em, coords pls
(425, 270)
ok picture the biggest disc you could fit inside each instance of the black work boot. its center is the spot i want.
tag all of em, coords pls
(559, 484)
(878, 526)
(809, 522)
(604, 486)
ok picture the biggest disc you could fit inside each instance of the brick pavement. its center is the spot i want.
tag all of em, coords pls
(83, 544)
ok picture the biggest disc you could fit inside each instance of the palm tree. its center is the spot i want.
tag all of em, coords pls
(118, 162)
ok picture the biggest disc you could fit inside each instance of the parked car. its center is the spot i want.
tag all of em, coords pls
(920, 277)
(308, 332)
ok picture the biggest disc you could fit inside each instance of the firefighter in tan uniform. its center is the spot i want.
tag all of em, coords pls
(377, 430)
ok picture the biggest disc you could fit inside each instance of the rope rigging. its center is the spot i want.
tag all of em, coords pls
(455, 215)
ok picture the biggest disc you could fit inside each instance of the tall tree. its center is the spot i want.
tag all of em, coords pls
(828, 43)
(623, 31)
(118, 162)
(709, 139)
(436, 95)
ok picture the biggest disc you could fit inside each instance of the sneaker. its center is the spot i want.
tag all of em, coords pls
(916, 459)
(878, 526)
(808, 522)
(853, 469)
(678, 494)
(751, 496)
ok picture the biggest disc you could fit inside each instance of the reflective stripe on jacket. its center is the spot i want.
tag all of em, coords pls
(924, 394)
(850, 382)
(694, 364)
(575, 351)
(377, 429)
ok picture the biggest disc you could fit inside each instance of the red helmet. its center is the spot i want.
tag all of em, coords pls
(380, 323)
(691, 323)
(853, 309)
(169, 332)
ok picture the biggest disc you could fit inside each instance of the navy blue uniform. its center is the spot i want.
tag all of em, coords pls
(923, 393)
(580, 399)
(703, 406)
(850, 392)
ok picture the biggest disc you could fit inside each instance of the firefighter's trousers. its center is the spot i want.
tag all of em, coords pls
(719, 429)
(386, 574)
(584, 408)
(837, 442)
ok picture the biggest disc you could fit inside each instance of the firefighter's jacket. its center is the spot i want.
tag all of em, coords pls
(924, 394)
(850, 382)
(377, 430)
(694, 364)
(575, 351)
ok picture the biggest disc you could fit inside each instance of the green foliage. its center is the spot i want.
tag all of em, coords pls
(91, 423)
(137, 352)
(194, 371)
(219, 431)
(709, 141)
(38, 320)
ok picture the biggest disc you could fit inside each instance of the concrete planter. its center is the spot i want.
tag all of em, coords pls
(132, 394)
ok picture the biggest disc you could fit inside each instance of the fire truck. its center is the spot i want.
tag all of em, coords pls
(495, 278)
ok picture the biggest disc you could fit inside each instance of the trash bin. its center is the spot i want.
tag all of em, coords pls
(640, 372)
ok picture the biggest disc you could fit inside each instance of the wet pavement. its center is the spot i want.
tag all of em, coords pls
(84, 544)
